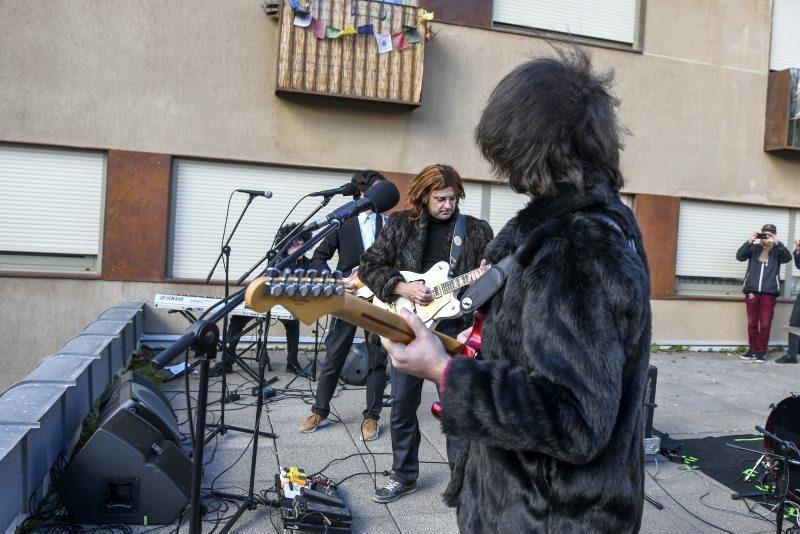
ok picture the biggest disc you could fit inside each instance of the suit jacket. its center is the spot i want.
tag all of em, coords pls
(347, 241)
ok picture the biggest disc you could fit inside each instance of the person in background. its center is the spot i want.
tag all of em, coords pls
(761, 287)
(350, 241)
(794, 319)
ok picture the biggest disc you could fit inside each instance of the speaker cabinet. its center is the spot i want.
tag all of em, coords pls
(129, 471)
(354, 371)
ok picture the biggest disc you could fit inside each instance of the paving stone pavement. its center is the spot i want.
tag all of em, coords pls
(698, 395)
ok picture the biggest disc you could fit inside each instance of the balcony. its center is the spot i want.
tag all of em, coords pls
(333, 50)
(782, 131)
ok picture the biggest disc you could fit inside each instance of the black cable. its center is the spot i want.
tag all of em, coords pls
(686, 509)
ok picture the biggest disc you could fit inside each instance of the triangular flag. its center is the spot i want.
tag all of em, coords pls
(428, 33)
(412, 34)
(366, 29)
(399, 41)
(384, 41)
(348, 30)
(332, 32)
(318, 28)
(426, 16)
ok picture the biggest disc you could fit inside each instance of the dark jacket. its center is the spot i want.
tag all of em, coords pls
(553, 411)
(762, 277)
(347, 242)
(400, 247)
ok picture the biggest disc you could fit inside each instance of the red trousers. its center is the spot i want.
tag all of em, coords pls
(760, 309)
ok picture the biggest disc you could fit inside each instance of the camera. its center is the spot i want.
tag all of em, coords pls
(762, 236)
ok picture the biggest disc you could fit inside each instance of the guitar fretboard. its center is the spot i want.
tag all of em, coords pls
(458, 282)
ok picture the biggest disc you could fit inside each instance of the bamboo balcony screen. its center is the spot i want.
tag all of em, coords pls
(350, 66)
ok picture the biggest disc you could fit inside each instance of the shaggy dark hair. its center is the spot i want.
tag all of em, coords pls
(550, 127)
(363, 180)
(287, 229)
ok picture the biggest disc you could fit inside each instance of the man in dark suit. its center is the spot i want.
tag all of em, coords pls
(351, 240)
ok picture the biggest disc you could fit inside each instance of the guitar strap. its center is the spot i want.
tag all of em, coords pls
(458, 242)
(494, 279)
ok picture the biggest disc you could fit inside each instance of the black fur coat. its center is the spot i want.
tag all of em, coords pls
(553, 411)
(399, 247)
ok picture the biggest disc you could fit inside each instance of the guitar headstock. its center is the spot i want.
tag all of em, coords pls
(308, 294)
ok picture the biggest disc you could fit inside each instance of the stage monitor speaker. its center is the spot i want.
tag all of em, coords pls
(354, 371)
(127, 473)
(650, 400)
(134, 393)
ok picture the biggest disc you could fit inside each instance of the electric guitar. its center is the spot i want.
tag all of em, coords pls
(444, 304)
(311, 298)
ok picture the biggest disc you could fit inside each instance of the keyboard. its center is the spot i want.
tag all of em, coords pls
(201, 304)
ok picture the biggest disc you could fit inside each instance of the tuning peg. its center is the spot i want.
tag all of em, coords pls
(339, 290)
(279, 284)
(336, 275)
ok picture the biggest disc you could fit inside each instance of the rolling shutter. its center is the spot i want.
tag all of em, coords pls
(51, 202)
(709, 234)
(201, 191)
(611, 20)
(785, 46)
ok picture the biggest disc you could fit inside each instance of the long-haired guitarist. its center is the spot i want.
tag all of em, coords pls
(415, 240)
(552, 413)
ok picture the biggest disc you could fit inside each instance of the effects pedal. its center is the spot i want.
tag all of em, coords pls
(311, 503)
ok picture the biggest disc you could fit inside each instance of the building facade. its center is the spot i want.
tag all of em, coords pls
(125, 127)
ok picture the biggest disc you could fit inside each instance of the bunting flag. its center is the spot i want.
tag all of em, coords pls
(366, 29)
(384, 41)
(425, 17)
(318, 28)
(294, 5)
(428, 33)
(399, 41)
(332, 32)
(348, 30)
(302, 19)
(412, 34)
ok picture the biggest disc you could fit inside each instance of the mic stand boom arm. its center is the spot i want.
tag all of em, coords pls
(288, 239)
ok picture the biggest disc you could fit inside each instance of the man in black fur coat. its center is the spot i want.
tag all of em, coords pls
(414, 240)
(552, 412)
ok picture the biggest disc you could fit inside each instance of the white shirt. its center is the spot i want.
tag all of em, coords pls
(366, 221)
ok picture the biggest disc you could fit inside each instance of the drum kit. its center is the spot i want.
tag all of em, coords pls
(781, 457)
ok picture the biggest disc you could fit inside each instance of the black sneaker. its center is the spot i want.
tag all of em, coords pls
(787, 358)
(748, 356)
(393, 490)
(760, 358)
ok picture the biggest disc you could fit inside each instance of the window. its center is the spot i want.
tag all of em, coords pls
(608, 20)
(709, 234)
(200, 196)
(785, 46)
(51, 206)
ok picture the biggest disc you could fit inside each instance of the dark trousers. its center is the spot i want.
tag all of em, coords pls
(760, 309)
(238, 323)
(794, 320)
(406, 397)
(337, 347)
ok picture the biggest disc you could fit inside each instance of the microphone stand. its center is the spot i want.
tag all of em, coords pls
(203, 336)
(225, 255)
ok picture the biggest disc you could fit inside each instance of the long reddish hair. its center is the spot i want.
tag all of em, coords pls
(432, 178)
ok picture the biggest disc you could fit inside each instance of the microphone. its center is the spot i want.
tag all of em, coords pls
(348, 190)
(382, 196)
(254, 193)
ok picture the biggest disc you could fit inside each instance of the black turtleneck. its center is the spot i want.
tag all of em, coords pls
(436, 249)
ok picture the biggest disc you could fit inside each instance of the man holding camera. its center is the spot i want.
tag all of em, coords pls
(761, 287)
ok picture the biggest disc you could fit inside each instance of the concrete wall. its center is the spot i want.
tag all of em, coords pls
(197, 79)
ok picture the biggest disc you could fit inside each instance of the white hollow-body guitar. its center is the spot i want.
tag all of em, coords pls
(444, 305)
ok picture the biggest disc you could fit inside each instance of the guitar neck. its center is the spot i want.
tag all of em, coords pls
(458, 282)
(385, 323)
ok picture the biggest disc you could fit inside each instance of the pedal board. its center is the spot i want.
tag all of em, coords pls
(311, 504)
